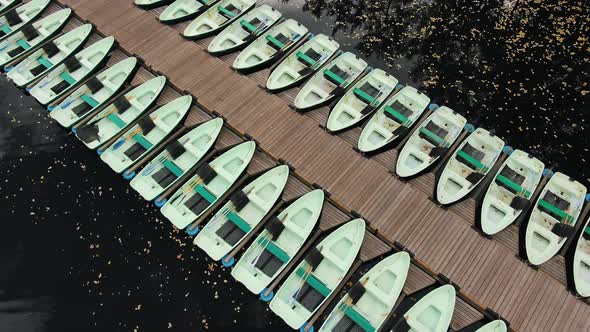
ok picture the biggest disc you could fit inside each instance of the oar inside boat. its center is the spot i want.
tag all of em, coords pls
(228, 225)
(266, 256)
(311, 59)
(310, 291)
(254, 28)
(339, 77)
(345, 317)
(202, 197)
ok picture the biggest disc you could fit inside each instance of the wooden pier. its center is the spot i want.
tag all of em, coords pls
(400, 215)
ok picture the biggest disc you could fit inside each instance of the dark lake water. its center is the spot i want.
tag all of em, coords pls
(81, 251)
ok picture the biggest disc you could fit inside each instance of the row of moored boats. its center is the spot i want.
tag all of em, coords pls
(358, 93)
(140, 139)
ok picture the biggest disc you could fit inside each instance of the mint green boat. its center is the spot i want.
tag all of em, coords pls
(277, 244)
(211, 181)
(14, 19)
(368, 303)
(51, 54)
(242, 213)
(7, 4)
(302, 63)
(472, 161)
(433, 312)
(179, 156)
(120, 113)
(217, 17)
(320, 272)
(244, 30)
(32, 36)
(184, 10)
(150, 131)
(269, 46)
(64, 78)
(330, 82)
(361, 100)
(94, 93)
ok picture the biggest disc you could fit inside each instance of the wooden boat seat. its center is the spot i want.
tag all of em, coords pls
(201, 200)
(175, 149)
(86, 105)
(353, 321)
(433, 134)
(313, 293)
(512, 181)
(367, 93)
(309, 57)
(50, 49)
(398, 112)
(228, 12)
(555, 207)
(277, 42)
(30, 32)
(239, 199)
(66, 82)
(121, 104)
(12, 17)
(251, 26)
(271, 259)
(167, 174)
(336, 75)
(22, 46)
(72, 64)
(139, 148)
(471, 157)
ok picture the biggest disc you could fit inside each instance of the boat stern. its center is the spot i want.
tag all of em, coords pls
(212, 244)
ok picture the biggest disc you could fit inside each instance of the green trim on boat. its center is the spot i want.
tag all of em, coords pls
(396, 114)
(364, 96)
(116, 120)
(238, 221)
(275, 250)
(204, 2)
(433, 136)
(359, 319)
(89, 100)
(305, 58)
(5, 29)
(315, 283)
(562, 214)
(225, 11)
(334, 76)
(587, 230)
(476, 163)
(142, 141)
(275, 41)
(23, 43)
(170, 165)
(519, 189)
(206, 194)
(66, 77)
(247, 25)
(44, 62)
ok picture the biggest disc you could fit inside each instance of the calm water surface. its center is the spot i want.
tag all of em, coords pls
(80, 250)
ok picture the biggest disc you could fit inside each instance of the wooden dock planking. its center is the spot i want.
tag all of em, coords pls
(214, 99)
